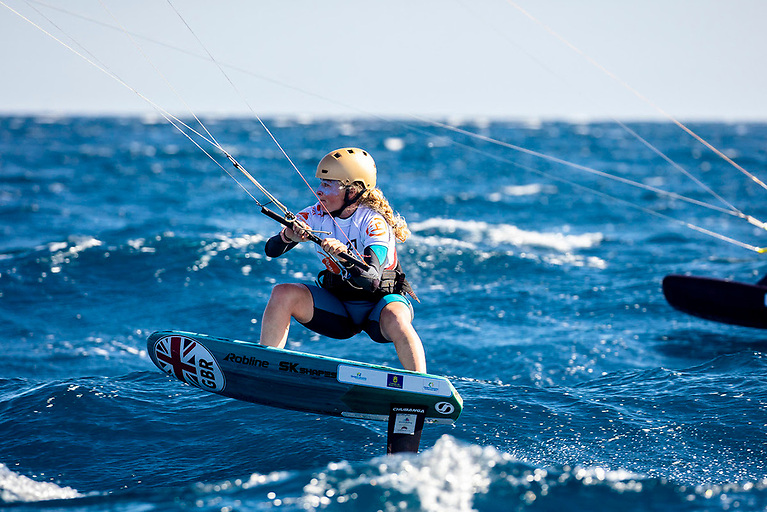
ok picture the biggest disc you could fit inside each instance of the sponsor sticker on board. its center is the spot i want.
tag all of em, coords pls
(444, 408)
(394, 381)
(405, 423)
(374, 378)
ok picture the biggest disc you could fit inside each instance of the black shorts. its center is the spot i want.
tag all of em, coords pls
(338, 319)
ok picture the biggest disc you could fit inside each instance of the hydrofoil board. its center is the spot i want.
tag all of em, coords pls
(302, 382)
(720, 300)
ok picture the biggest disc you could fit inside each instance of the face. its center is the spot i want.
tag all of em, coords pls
(331, 194)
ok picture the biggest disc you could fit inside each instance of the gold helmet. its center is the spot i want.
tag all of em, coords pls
(348, 165)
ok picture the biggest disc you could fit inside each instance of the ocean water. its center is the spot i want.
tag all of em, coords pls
(540, 288)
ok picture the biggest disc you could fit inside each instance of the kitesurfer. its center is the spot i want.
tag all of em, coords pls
(352, 216)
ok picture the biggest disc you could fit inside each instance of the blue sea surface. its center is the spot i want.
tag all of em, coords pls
(540, 288)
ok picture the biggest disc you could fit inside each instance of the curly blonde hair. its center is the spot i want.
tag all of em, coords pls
(375, 200)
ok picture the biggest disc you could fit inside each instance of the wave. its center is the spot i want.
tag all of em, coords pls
(487, 239)
(498, 234)
(63, 252)
(532, 189)
(450, 477)
(19, 488)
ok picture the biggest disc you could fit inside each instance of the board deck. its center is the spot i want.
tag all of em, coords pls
(720, 300)
(304, 382)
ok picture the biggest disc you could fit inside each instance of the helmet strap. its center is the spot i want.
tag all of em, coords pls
(348, 201)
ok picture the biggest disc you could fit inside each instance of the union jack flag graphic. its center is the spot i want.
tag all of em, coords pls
(188, 361)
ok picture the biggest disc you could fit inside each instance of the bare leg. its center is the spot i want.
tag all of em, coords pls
(287, 301)
(396, 325)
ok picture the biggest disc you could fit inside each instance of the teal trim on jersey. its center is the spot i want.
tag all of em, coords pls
(380, 251)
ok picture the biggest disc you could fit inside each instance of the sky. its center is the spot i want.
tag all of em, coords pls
(516, 59)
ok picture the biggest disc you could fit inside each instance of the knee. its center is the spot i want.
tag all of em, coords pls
(281, 291)
(396, 317)
(288, 295)
(392, 316)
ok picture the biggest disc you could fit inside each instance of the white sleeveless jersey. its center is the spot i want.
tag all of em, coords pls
(365, 227)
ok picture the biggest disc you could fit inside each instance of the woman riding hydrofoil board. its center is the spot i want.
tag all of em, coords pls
(353, 217)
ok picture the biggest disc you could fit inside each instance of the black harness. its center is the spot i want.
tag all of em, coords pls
(392, 281)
